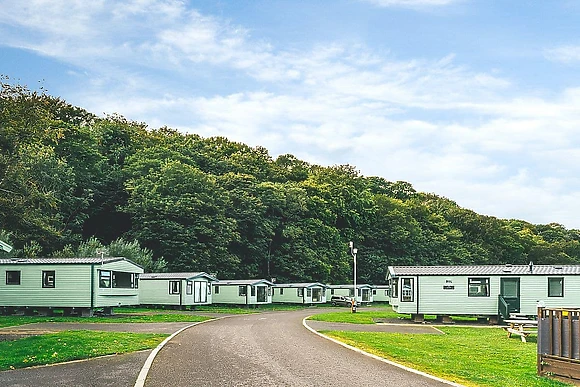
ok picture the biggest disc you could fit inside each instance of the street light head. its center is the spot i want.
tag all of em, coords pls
(354, 251)
(350, 244)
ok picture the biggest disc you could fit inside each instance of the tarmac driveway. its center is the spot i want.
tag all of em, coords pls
(269, 349)
(244, 350)
(116, 370)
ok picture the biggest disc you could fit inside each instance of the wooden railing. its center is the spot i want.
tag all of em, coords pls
(504, 308)
(559, 342)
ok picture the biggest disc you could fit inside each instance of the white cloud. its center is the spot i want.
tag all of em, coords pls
(569, 54)
(411, 3)
(435, 123)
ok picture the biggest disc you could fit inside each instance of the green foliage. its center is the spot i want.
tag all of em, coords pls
(137, 254)
(118, 248)
(72, 183)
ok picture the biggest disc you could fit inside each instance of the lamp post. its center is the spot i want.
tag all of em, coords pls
(353, 252)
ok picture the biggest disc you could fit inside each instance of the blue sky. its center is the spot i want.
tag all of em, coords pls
(474, 100)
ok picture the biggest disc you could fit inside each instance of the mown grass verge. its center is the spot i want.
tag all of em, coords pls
(71, 345)
(218, 308)
(360, 317)
(469, 356)
(8, 321)
(372, 316)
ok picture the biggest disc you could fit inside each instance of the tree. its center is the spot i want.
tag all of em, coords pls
(178, 212)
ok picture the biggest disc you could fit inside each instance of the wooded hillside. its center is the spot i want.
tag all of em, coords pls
(71, 182)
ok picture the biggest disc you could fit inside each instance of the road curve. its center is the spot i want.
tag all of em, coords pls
(272, 349)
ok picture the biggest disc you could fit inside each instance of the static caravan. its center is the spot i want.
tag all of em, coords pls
(487, 291)
(300, 293)
(73, 284)
(176, 289)
(364, 294)
(381, 293)
(242, 292)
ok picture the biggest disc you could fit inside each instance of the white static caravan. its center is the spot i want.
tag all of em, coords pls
(300, 293)
(364, 293)
(242, 292)
(72, 284)
(381, 293)
(176, 289)
(486, 291)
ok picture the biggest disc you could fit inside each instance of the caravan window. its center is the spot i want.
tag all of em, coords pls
(556, 287)
(300, 292)
(308, 292)
(123, 279)
(13, 277)
(478, 287)
(104, 279)
(242, 291)
(395, 288)
(189, 288)
(48, 278)
(174, 287)
(118, 279)
(407, 290)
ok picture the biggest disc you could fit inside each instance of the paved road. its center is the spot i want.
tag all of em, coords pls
(268, 349)
(118, 371)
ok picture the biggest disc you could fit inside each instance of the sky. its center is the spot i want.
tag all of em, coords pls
(474, 100)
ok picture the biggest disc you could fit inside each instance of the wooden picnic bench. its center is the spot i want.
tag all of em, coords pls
(521, 327)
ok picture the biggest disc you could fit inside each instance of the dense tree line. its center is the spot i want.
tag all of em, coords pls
(72, 183)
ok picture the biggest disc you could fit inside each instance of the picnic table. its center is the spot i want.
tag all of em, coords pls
(521, 327)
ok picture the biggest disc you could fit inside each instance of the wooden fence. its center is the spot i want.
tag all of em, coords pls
(559, 343)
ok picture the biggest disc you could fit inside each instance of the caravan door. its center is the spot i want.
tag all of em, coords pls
(510, 291)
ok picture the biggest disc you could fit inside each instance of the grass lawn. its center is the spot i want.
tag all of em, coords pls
(360, 317)
(71, 345)
(8, 321)
(363, 316)
(203, 309)
(225, 309)
(469, 356)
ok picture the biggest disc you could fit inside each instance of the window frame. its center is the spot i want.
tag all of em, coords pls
(300, 292)
(216, 289)
(242, 291)
(46, 282)
(103, 278)
(174, 289)
(13, 281)
(408, 295)
(189, 288)
(484, 281)
(395, 288)
(561, 279)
